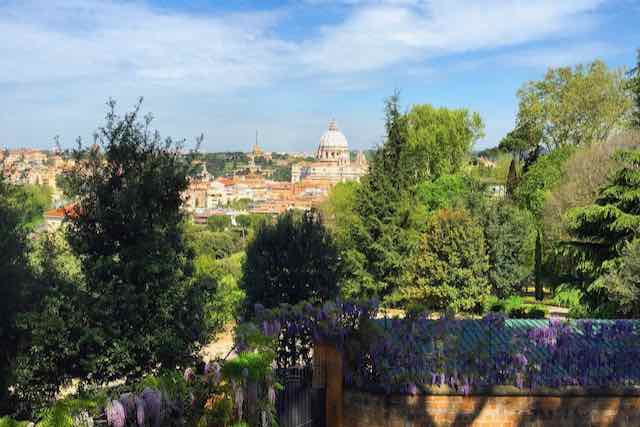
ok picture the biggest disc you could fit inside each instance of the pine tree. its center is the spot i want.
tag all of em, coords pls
(602, 230)
(383, 237)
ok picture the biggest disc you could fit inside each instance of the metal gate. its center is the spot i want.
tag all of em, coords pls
(299, 403)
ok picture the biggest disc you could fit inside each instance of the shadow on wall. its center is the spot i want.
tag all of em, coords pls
(365, 409)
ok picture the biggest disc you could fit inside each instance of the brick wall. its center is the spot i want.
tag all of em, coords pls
(370, 410)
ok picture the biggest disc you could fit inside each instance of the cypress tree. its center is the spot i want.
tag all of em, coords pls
(512, 178)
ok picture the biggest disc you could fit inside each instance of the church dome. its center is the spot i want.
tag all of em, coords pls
(333, 138)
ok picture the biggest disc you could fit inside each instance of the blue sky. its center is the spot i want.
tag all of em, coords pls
(229, 68)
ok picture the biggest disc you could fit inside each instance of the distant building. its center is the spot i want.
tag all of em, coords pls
(332, 161)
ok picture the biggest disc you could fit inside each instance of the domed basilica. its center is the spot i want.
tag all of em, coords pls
(333, 161)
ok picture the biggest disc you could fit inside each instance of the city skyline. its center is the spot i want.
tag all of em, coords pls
(286, 68)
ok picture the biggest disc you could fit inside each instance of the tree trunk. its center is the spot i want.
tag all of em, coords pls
(538, 268)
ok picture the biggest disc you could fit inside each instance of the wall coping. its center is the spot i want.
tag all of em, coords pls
(572, 391)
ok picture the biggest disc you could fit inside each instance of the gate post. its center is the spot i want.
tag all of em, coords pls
(327, 361)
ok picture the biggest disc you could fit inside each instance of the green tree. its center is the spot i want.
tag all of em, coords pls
(339, 210)
(15, 282)
(36, 200)
(293, 260)
(441, 139)
(623, 284)
(447, 191)
(601, 231)
(575, 106)
(450, 268)
(540, 179)
(55, 329)
(523, 139)
(509, 234)
(143, 308)
(512, 179)
(216, 244)
(385, 234)
(223, 275)
(219, 222)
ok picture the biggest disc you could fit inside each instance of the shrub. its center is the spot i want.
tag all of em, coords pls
(449, 270)
(515, 308)
(567, 296)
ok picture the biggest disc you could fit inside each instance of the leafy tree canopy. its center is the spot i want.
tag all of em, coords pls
(540, 178)
(219, 222)
(614, 219)
(142, 308)
(510, 237)
(447, 191)
(15, 280)
(293, 260)
(450, 268)
(574, 106)
(441, 139)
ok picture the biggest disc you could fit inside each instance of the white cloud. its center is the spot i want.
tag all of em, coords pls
(59, 59)
(60, 40)
(57, 41)
(380, 35)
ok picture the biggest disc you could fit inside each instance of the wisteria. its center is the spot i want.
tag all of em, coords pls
(115, 414)
(412, 355)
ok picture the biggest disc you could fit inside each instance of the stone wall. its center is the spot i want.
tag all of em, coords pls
(371, 410)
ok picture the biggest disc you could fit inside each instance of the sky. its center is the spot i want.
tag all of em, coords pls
(226, 69)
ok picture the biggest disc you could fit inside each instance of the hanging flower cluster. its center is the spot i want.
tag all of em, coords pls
(412, 354)
(147, 409)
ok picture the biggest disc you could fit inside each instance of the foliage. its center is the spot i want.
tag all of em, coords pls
(18, 293)
(53, 334)
(339, 210)
(282, 173)
(447, 191)
(293, 329)
(601, 231)
(449, 270)
(214, 244)
(10, 422)
(540, 178)
(575, 106)
(385, 233)
(515, 308)
(623, 284)
(509, 234)
(522, 140)
(292, 260)
(34, 201)
(440, 139)
(223, 276)
(571, 297)
(586, 171)
(251, 366)
(141, 305)
(219, 222)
